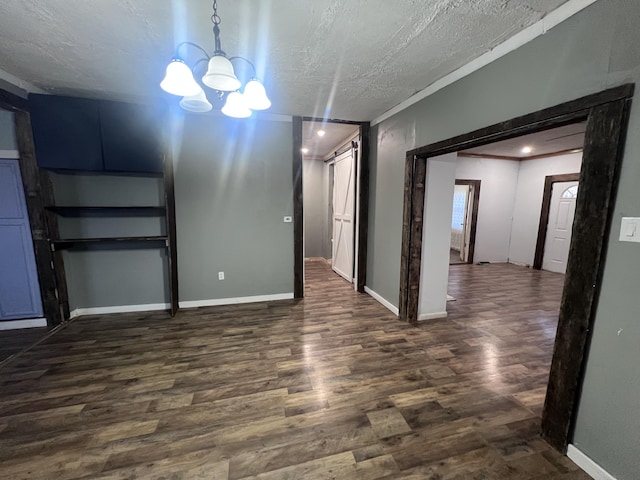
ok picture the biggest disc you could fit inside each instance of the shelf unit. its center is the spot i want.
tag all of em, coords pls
(168, 240)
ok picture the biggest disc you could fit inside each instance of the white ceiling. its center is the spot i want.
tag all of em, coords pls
(348, 59)
(554, 140)
(335, 136)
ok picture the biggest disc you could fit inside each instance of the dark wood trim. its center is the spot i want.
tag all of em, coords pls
(559, 115)
(172, 234)
(555, 154)
(69, 211)
(482, 155)
(549, 180)
(66, 243)
(602, 157)
(12, 102)
(406, 238)
(415, 238)
(298, 218)
(38, 192)
(520, 159)
(607, 115)
(363, 210)
(474, 214)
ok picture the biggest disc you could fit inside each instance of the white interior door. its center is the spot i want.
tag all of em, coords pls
(343, 215)
(464, 253)
(561, 213)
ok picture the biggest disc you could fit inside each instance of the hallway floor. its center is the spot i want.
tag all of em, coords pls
(332, 387)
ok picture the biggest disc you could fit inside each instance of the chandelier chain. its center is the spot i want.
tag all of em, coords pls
(215, 18)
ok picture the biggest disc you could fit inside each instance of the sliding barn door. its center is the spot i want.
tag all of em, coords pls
(343, 215)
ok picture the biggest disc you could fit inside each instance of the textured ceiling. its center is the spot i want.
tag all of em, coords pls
(349, 59)
(335, 136)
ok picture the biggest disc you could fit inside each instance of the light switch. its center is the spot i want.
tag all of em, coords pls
(288, 219)
(630, 229)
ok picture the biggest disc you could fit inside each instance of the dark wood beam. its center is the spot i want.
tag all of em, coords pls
(363, 210)
(415, 241)
(38, 194)
(602, 157)
(298, 219)
(170, 215)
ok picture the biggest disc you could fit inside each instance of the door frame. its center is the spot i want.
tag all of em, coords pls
(474, 217)
(549, 180)
(607, 115)
(38, 194)
(361, 199)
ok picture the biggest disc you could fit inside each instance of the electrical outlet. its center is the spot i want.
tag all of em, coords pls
(220, 275)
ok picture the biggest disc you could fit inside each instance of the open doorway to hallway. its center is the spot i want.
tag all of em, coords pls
(330, 175)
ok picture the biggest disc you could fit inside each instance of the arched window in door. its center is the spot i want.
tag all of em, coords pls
(571, 192)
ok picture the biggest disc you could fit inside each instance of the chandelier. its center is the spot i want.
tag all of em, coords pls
(220, 77)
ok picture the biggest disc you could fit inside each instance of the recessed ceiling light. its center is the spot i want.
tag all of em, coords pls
(304, 150)
(527, 150)
(321, 133)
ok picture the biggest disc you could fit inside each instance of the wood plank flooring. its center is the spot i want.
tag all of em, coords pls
(331, 387)
(14, 341)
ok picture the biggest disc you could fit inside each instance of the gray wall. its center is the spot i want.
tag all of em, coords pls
(594, 50)
(233, 188)
(315, 176)
(112, 276)
(7, 131)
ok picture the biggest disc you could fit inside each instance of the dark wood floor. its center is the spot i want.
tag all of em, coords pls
(14, 341)
(332, 387)
(454, 257)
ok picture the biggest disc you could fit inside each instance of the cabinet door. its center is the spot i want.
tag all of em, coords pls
(66, 133)
(19, 287)
(131, 138)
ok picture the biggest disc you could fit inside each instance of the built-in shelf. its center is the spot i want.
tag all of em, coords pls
(66, 243)
(139, 211)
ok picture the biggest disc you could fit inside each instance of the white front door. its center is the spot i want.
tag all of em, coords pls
(561, 213)
(343, 215)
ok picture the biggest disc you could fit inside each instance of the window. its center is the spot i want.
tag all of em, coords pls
(571, 192)
(459, 207)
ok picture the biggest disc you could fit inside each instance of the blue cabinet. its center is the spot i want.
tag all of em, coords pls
(66, 133)
(19, 287)
(131, 138)
(84, 135)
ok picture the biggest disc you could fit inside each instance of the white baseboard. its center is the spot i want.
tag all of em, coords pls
(232, 301)
(384, 302)
(19, 324)
(431, 316)
(119, 309)
(588, 465)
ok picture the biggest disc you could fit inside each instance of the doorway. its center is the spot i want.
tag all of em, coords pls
(607, 116)
(464, 221)
(554, 238)
(330, 211)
